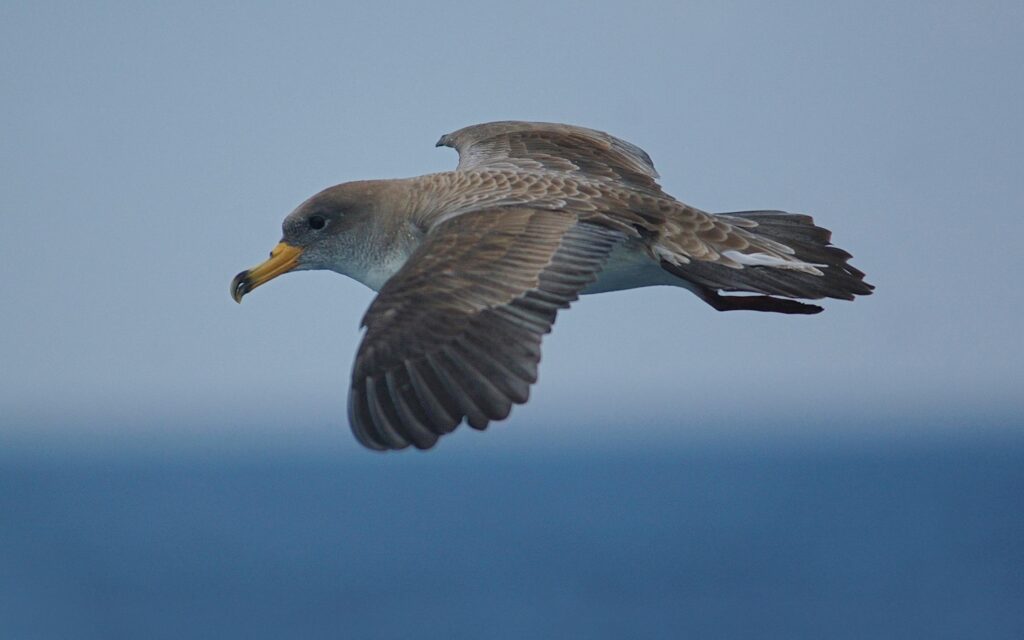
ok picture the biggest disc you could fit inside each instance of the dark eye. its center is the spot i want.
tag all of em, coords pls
(317, 222)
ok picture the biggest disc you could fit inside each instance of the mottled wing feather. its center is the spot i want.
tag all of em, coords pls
(611, 182)
(558, 148)
(456, 333)
(671, 230)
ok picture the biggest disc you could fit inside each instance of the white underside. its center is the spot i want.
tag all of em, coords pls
(629, 267)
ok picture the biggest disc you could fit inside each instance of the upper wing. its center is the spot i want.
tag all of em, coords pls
(553, 147)
(456, 332)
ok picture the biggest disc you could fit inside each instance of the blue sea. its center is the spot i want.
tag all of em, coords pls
(706, 542)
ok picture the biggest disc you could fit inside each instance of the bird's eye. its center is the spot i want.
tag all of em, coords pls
(317, 222)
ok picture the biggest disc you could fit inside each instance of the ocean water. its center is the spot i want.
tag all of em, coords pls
(786, 542)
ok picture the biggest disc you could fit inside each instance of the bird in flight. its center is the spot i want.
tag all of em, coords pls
(471, 266)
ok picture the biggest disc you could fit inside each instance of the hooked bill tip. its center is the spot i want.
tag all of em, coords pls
(240, 286)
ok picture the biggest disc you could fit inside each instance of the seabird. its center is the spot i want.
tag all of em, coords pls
(471, 266)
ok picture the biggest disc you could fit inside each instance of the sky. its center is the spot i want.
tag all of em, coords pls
(149, 152)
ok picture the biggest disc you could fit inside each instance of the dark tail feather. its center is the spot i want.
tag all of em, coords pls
(810, 244)
(756, 303)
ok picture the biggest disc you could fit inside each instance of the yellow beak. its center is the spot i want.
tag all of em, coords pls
(283, 259)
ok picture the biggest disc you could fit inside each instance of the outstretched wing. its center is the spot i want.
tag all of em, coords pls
(456, 333)
(543, 146)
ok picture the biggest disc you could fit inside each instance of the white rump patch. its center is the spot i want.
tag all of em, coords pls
(767, 260)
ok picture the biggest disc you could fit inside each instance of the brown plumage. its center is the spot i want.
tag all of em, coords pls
(473, 265)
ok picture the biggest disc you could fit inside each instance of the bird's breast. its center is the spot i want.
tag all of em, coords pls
(374, 273)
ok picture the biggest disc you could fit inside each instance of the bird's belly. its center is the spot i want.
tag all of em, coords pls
(629, 267)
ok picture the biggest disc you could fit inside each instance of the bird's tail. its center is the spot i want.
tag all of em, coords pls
(810, 244)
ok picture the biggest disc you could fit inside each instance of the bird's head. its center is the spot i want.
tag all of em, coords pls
(327, 231)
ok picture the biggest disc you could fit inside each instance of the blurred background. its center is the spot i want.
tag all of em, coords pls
(175, 465)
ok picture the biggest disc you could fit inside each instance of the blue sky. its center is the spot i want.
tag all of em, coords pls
(149, 153)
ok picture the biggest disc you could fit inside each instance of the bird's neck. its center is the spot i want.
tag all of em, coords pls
(389, 236)
(408, 208)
